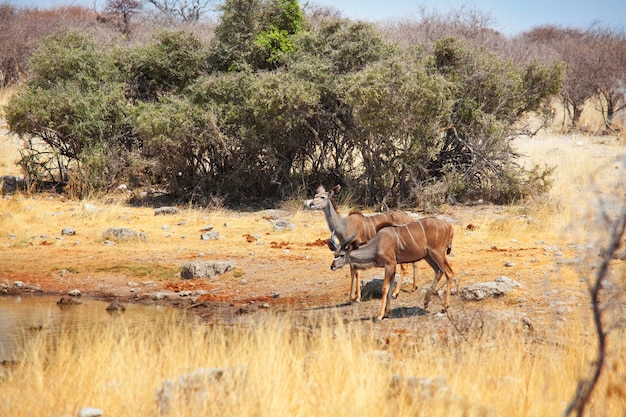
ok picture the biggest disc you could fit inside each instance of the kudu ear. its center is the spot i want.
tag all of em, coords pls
(321, 189)
(336, 189)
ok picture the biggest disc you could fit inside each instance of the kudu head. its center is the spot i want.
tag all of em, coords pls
(322, 198)
(342, 252)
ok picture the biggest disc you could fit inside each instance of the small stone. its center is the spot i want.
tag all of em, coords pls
(280, 225)
(67, 301)
(90, 412)
(68, 231)
(162, 211)
(115, 306)
(210, 236)
(123, 233)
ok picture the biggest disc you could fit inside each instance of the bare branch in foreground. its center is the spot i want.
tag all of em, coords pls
(586, 386)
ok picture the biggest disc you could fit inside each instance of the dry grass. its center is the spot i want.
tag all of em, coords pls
(586, 168)
(326, 369)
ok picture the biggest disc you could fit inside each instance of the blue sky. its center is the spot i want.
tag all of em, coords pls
(508, 16)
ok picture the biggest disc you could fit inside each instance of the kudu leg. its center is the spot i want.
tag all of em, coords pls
(432, 289)
(440, 265)
(403, 273)
(354, 282)
(385, 307)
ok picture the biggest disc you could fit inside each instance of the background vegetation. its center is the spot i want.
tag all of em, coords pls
(269, 100)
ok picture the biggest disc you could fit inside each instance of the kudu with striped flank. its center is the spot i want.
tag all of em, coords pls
(363, 228)
(429, 239)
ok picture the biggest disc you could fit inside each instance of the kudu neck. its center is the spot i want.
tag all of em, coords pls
(335, 222)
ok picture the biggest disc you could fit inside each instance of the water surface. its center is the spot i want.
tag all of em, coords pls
(22, 318)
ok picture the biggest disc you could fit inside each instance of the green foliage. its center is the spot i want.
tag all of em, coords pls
(277, 40)
(274, 42)
(345, 45)
(184, 140)
(255, 34)
(169, 64)
(489, 95)
(274, 106)
(69, 57)
(233, 47)
(398, 107)
(72, 104)
(540, 82)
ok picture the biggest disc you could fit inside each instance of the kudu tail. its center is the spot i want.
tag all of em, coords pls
(449, 249)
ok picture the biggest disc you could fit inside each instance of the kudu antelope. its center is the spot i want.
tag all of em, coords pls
(429, 239)
(365, 228)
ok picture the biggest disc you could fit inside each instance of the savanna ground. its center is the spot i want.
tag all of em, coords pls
(546, 241)
(550, 246)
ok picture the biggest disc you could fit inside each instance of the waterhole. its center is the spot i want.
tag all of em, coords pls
(24, 318)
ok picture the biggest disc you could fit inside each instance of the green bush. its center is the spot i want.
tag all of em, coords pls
(275, 106)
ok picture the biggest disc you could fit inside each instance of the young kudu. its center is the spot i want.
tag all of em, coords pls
(365, 228)
(429, 239)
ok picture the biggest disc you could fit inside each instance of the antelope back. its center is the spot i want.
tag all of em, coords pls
(437, 233)
(400, 217)
(370, 225)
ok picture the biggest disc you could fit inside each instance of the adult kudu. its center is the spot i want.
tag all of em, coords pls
(429, 239)
(361, 228)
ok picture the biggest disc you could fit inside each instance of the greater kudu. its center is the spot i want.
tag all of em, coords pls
(429, 239)
(364, 226)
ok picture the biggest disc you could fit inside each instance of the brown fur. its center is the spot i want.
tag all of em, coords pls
(429, 239)
(364, 226)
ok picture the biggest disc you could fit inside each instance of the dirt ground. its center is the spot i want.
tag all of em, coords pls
(289, 271)
(279, 271)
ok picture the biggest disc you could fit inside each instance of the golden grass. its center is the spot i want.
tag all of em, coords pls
(586, 170)
(326, 368)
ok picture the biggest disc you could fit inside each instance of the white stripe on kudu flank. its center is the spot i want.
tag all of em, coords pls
(399, 241)
(411, 234)
(424, 233)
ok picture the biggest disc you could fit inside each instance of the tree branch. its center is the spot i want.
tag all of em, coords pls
(586, 386)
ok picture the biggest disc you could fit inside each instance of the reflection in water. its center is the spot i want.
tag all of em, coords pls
(22, 318)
